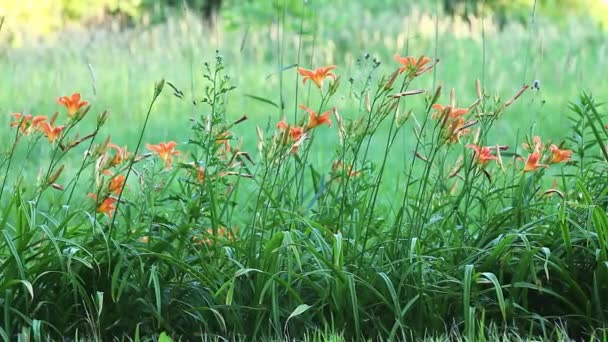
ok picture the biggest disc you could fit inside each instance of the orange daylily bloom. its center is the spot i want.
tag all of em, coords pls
(316, 119)
(72, 103)
(449, 110)
(482, 154)
(282, 125)
(116, 184)
(27, 123)
(200, 172)
(107, 206)
(296, 133)
(52, 133)
(457, 127)
(318, 75)
(120, 156)
(165, 151)
(411, 63)
(559, 155)
(537, 144)
(532, 163)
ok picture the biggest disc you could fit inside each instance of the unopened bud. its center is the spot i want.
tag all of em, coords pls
(158, 87)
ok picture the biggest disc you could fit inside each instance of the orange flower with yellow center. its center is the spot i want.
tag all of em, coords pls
(51, 132)
(72, 103)
(482, 155)
(316, 119)
(318, 75)
(559, 155)
(165, 151)
(412, 64)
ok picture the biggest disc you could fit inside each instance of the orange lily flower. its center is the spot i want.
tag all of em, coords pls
(107, 206)
(318, 75)
(537, 144)
(295, 133)
(316, 119)
(200, 171)
(282, 125)
(72, 103)
(52, 133)
(165, 151)
(411, 63)
(559, 155)
(449, 110)
(457, 127)
(120, 155)
(532, 163)
(27, 123)
(116, 184)
(482, 154)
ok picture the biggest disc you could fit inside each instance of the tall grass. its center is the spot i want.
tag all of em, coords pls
(305, 231)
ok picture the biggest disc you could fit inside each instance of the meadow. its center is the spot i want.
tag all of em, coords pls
(459, 198)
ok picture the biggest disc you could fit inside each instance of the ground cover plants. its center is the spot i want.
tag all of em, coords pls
(376, 201)
(472, 235)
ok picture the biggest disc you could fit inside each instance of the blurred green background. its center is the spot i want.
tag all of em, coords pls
(112, 51)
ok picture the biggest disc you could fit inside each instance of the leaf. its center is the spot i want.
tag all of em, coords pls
(262, 99)
(163, 337)
(300, 309)
(281, 70)
(499, 295)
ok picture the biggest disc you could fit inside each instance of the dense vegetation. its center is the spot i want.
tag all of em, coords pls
(263, 192)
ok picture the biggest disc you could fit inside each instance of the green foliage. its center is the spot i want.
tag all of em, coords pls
(310, 248)
(336, 242)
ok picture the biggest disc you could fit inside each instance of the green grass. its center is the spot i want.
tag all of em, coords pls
(403, 250)
(93, 63)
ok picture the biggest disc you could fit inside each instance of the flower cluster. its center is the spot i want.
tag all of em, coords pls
(552, 152)
(296, 134)
(28, 123)
(453, 120)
